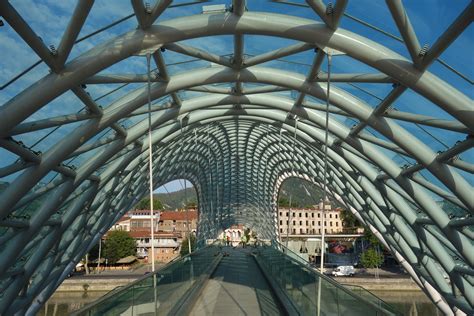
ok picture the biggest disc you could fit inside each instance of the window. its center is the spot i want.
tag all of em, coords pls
(280, 213)
(294, 222)
(287, 214)
(307, 223)
(319, 223)
(330, 215)
(312, 223)
(337, 224)
(335, 215)
(294, 214)
(299, 214)
(330, 223)
(301, 222)
(312, 215)
(319, 215)
(301, 231)
(281, 222)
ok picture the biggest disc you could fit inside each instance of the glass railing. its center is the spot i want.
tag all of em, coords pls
(158, 293)
(312, 293)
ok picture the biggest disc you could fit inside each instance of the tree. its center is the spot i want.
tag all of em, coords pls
(119, 244)
(371, 258)
(191, 204)
(371, 239)
(144, 204)
(283, 202)
(185, 247)
(349, 220)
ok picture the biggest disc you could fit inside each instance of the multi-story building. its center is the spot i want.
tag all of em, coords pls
(309, 221)
(166, 245)
(170, 228)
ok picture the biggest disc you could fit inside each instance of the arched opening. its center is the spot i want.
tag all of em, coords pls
(75, 143)
(302, 217)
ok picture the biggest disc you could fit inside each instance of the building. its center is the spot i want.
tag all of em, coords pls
(234, 232)
(170, 228)
(166, 244)
(309, 221)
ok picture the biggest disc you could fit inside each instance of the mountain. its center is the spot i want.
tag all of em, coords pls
(299, 189)
(174, 200)
(294, 187)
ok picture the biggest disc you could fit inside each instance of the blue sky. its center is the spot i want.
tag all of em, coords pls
(48, 18)
(173, 186)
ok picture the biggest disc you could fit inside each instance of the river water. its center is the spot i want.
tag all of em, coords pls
(411, 303)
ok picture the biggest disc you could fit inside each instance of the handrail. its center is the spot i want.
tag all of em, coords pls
(120, 289)
(365, 291)
(387, 308)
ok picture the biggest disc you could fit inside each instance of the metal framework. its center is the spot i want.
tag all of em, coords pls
(220, 127)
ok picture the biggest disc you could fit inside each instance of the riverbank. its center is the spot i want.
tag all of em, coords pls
(380, 284)
(105, 283)
(94, 284)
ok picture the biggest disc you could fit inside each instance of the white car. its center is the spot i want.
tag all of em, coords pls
(344, 271)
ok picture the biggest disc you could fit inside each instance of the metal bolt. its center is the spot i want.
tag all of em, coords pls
(53, 50)
(424, 50)
(147, 8)
(329, 9)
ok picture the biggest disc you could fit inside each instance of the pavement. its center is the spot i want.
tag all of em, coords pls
(237, 287)
(120, 274)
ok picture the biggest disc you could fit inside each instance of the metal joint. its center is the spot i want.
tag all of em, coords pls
(329, 9)
(53, 50)
(424, 50)
(147, 8)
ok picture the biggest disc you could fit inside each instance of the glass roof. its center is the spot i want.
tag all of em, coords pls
(399, 108)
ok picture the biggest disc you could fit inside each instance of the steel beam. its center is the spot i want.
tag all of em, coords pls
(78, 17)
(406, 29)
(198, 53)
(27, 34)
(278, 53)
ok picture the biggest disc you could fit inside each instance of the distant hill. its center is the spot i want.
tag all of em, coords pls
(176, 199)
(294, 187)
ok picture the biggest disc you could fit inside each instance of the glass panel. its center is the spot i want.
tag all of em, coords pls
(303, 284)
(157, 293)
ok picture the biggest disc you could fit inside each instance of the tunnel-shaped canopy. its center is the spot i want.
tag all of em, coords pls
(238, 104)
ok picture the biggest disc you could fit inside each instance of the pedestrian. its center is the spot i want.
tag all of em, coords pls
(228, 240)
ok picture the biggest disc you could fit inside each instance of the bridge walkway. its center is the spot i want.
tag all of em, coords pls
(237, 287)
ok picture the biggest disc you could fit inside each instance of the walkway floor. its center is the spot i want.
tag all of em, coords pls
(237, 287)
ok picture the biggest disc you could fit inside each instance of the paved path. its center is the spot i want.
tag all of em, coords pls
(237, 288)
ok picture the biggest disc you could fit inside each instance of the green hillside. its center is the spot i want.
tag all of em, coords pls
(176, 199)
(299, 196)
(294, 187)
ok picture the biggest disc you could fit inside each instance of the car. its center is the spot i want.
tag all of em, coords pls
(344, 271)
